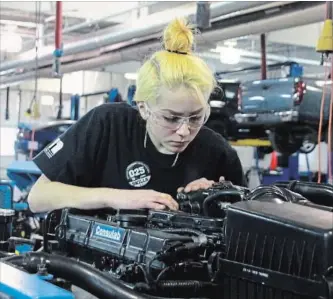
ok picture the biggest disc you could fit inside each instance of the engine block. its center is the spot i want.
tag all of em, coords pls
(125, 245)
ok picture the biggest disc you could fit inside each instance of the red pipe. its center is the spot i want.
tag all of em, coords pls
(58, 28)
(263, 57)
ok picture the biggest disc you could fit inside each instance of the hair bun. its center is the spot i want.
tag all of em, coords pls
(178, 36)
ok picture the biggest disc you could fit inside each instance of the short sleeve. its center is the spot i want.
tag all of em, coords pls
(70, 159)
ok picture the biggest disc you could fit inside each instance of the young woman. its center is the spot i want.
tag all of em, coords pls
(126, 158)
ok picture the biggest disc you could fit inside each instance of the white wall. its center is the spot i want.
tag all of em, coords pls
(79, 82)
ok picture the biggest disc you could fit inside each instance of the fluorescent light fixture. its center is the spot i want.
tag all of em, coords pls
(229, 55)
(131, 76)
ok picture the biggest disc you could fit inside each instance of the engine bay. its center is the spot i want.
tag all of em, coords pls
(228, 242)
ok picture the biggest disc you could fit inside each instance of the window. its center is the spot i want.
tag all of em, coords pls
(7, 141)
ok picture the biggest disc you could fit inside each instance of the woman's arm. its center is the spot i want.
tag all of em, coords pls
(46, 196)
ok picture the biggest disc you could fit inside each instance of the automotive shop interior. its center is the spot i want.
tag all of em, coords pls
(166, 149)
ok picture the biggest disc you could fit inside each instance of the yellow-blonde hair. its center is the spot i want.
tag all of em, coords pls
(175, 66)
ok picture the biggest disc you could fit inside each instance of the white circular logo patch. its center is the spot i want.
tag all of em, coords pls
(138, 174)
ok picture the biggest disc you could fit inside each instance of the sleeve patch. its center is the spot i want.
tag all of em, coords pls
(53, 148)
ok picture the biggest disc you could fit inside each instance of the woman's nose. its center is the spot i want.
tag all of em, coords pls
(184, 129)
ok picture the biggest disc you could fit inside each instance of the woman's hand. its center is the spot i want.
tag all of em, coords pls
(198, 184)
(144, 199)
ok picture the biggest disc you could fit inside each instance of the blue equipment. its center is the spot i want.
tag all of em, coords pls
(75, 107)
(23, 174)
(7, 197)
(113, 95)
(130, 94)
(295, 70)
(18, 284)
(6, 194)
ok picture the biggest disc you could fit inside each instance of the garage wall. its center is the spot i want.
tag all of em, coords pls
(20, 98)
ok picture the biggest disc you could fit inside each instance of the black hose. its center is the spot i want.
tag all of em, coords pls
(267, 192)
(4, 254)
(84, 276)
(14, 259)
(214, 196)
(320, 194)
(183, 231)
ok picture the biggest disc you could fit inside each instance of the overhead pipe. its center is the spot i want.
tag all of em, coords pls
(216, 10)
(92, 22)
(292, 19)
(295, 18)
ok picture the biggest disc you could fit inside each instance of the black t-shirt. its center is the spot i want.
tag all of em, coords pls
(105, 148)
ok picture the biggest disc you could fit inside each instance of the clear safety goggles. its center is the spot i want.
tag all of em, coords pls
(174, 122)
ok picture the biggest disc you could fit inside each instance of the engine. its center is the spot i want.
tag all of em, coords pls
(213, 201)
(271, 242)
(155, 251)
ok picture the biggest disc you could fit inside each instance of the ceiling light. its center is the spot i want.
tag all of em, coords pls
(131, 76)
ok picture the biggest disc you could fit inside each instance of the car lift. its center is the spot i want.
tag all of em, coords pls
(250, 142)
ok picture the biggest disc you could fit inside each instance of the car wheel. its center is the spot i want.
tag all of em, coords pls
(284, 141)
(309, 143)
(218, 126)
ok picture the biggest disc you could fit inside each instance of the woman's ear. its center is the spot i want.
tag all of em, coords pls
(142, 110)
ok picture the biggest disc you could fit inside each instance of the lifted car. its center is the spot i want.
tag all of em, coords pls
(289, 108)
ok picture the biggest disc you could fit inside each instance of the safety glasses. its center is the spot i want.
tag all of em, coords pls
(174, 122)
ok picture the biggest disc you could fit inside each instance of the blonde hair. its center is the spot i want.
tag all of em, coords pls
(175, 66)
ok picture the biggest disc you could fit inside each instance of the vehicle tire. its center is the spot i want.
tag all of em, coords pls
(309, 141)
(284, 141)
(218, 126)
